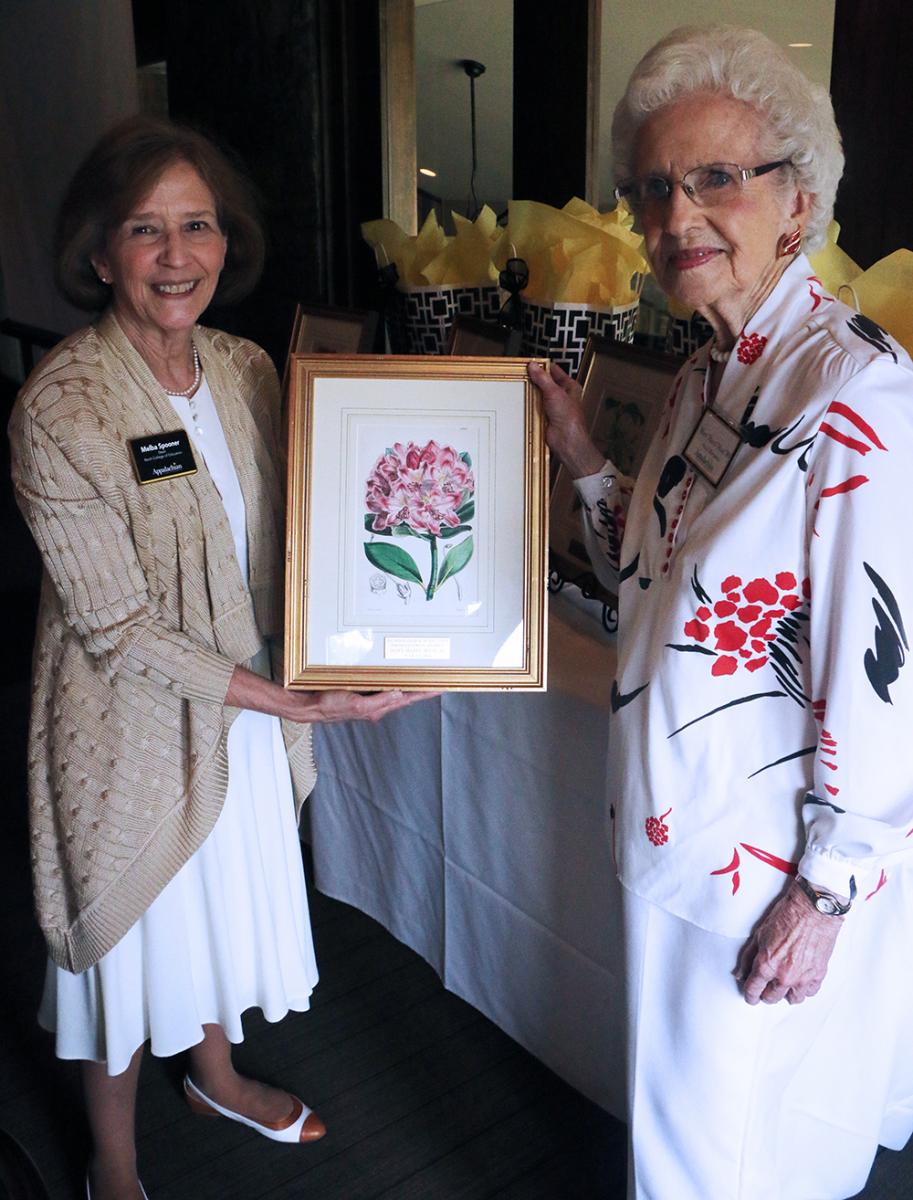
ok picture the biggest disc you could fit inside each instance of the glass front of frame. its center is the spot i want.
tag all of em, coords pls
(417, 537)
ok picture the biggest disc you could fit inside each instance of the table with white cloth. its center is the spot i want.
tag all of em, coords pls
(474, 826)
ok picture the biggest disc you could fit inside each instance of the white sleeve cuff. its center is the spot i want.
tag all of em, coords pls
(593, 488)
(830, 871)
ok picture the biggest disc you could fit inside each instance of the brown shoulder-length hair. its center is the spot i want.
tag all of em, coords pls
(122, 168)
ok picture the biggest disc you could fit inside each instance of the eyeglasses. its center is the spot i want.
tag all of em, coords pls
(707, 186)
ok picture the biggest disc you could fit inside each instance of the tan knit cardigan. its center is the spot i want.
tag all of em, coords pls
(143, 616)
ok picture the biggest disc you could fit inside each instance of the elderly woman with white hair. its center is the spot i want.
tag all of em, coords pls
(762, 711)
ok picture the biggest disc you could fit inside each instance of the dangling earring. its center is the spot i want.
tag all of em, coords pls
(789, 243)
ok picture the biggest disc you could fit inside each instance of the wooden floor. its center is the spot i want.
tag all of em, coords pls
(423, 1097)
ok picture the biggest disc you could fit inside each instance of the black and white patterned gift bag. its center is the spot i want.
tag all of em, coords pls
(687, 334)
(428, 313)
(560, 331)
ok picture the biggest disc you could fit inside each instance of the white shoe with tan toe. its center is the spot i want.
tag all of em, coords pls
(301, 1125)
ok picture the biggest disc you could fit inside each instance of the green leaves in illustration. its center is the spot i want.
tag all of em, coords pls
(393, 560)
(455, 560)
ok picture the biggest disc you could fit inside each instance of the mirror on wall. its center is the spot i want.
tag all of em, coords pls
(449, 31)
(630, 28)
(448, 34)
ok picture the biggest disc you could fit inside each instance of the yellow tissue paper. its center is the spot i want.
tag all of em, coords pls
(884, 293)
(576, 254)
(465, 259)
(411, 254)
(432, 258)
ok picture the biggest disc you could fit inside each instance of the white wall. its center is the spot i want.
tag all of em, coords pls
(447, 30)
(67, 71)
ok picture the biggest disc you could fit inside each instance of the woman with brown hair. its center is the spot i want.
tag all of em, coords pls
(164, 789)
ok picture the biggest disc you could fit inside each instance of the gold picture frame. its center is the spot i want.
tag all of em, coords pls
(624, 389)
(417, 538)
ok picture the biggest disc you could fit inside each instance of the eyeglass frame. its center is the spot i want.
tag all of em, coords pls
(744, 174)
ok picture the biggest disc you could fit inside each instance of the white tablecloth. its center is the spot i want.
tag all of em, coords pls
(474, 827)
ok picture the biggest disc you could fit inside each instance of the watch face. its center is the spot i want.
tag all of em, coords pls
(825, 904)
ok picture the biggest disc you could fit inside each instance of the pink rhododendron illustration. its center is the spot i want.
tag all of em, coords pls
(424, 492)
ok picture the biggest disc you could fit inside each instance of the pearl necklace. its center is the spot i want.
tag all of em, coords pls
(197, 374)
(720, 356)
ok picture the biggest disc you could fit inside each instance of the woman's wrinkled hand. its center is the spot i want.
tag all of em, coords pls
(567, 434)
(786, 957)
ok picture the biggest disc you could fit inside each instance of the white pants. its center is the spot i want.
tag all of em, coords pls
(773, 1102)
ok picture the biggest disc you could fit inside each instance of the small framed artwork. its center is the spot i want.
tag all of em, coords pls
(469, 336)
(624, 388)
(332, 331)
(417, 524)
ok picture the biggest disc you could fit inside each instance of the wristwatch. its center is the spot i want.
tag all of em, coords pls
(825, 902)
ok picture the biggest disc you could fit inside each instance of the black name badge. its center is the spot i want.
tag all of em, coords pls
(161, 456)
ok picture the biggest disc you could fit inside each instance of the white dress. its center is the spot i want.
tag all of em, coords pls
(231, 930)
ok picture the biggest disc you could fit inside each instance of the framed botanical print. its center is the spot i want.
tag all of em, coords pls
(624, 388)
(417, 524)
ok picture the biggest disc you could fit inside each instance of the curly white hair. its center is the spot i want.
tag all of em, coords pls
(797, 115)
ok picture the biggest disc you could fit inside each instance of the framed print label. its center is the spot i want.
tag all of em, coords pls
(431, 649)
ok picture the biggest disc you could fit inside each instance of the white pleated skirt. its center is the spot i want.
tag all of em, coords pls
(229, 932)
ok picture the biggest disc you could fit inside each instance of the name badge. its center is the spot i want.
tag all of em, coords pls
(712, 446)
(160, 456)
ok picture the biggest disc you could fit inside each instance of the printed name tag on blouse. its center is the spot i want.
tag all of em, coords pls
(712, 446)
(161, 456)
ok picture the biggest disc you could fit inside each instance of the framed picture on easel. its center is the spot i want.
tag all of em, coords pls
(624, 389)
(324, 330)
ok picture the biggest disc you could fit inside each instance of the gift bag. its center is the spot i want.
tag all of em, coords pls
(427, 314)
(560, 331)
(687, 334)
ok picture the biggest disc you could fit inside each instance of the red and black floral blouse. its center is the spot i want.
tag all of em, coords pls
(762, 715)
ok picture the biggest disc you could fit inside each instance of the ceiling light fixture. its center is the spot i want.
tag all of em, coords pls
(427, 171)
(800, 45)
(473, 69)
